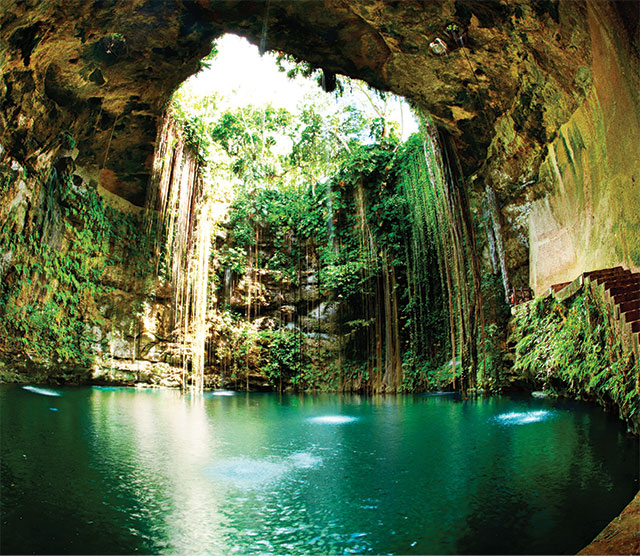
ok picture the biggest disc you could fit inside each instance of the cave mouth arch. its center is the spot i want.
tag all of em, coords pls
(108, 73)
(237, 75)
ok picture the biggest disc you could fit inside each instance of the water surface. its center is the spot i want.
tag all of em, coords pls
(120, 470)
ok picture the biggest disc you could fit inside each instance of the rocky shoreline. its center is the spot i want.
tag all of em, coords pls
(622, 535)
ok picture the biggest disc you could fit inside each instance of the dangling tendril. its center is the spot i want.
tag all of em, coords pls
(263, 39)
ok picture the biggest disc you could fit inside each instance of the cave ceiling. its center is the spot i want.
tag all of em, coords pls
(103, 71)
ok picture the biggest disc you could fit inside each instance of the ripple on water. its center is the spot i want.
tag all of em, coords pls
(41, 391)
(250, 473)
(332, 419)
(523, 418)
(246, 472)
(305, 460)
(223, 393)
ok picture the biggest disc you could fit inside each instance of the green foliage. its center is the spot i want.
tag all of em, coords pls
(571, 348)
(233, 258)
(330, 190)
(8, 177)
(205, 63)
(295, 67)
(243, 349)
(48, 299)
(196, 132)
(359, 225)
(67, 140)
(426, 375)
(282, 358)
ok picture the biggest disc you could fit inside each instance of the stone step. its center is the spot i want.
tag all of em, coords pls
(625, 289)
(605, 271)
(557, 287)
(630, 316)
(621, 289)
(630, 281)
(600, 278)
(629, 305)
(626, 297)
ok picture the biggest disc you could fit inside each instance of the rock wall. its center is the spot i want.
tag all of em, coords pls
(262, 299)
(79, 296)
(104, 71)
(590, 217)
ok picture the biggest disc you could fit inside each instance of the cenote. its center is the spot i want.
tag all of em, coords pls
(124, 470)
(319, 276)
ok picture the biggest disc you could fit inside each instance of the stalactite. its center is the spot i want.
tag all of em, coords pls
(494, 211)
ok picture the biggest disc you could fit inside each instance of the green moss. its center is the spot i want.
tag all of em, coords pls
(48, 298)
(8, 177)
(67, 140)
(582, 79)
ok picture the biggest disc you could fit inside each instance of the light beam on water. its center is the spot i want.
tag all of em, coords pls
(246, 472)
(332, 419)
(524, 417)
(41, 391)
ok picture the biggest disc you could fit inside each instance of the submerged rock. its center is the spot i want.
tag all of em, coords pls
(540, 394)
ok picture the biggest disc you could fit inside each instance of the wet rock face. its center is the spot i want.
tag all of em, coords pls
(500, 77)
(98, 71)
(589, 218)
(104, 70)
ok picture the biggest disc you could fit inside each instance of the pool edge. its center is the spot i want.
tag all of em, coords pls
(621, 535)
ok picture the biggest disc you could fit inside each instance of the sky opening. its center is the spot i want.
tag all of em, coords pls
(238, 76)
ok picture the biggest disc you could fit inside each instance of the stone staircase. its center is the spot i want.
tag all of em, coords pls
(620, 288)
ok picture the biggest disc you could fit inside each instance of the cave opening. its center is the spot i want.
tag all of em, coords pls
(314, 212)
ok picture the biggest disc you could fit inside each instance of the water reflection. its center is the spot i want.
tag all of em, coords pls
(242, 472)
(434, 394)
(245, 472)
(305, 460)
(158, 472)
(332, 419)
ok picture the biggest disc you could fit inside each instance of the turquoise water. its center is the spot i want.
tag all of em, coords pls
(118, 470)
